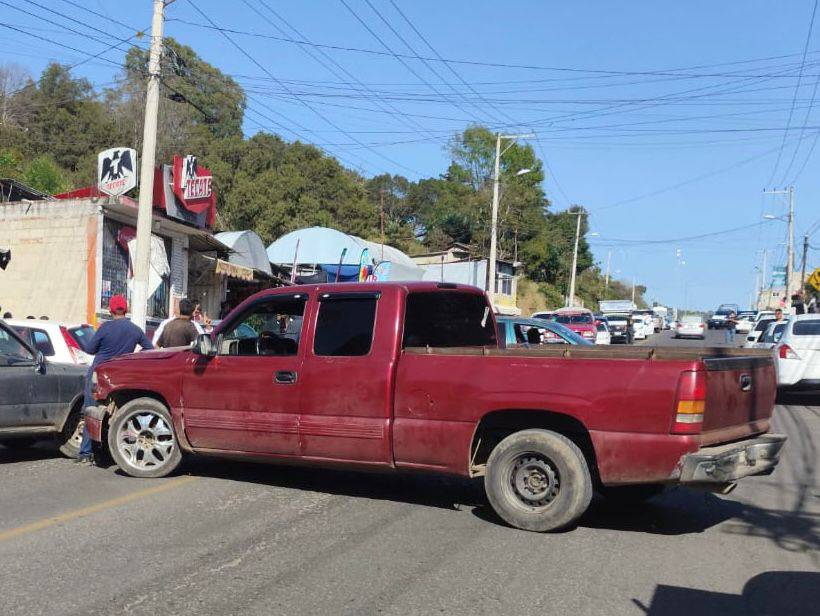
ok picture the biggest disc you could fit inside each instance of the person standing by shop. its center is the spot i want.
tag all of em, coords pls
(180, 331)
(114, 338)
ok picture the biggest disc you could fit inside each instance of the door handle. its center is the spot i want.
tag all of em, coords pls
(285, 377)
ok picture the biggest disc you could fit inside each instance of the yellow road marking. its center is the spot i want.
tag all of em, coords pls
(91, 509)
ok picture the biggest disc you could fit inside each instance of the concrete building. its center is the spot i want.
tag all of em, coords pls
(69, 256)
(458, 264)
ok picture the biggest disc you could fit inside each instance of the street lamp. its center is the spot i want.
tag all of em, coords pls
(523, 172)
(494, 224)
(571, 294)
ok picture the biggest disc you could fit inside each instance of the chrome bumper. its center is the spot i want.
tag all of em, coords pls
(727, 463)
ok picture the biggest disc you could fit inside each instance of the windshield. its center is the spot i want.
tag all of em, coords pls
(11, 349)
(567, 334)
(763, 324)
(690, 318)
(573, 318)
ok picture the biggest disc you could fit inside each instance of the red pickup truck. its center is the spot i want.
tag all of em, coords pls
(411, 376)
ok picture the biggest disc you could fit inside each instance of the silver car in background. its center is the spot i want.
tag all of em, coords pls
(690, 326)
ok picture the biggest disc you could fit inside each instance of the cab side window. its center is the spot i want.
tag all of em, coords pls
(272, 327)
(345, 325)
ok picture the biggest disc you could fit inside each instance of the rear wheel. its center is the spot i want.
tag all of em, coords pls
(538, 480)
(142, 441)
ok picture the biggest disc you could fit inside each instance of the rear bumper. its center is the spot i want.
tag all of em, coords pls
(727, 463)
(94, 418)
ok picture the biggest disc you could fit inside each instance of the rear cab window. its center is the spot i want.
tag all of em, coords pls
(448, 319)
(42, 342)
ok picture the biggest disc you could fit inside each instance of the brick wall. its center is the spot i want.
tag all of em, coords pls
(53, 247)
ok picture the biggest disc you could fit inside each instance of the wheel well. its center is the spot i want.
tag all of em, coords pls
(496, 426)
(123, 396)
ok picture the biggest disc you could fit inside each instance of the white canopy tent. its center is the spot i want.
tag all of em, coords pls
(319, 246)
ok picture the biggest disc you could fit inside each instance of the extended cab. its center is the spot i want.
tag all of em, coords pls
(410, 376)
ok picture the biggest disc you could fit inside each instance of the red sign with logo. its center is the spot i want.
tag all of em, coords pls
(193, 187)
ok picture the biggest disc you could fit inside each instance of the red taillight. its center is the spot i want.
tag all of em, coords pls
(690, 402)
(700, 325)
(786, 352)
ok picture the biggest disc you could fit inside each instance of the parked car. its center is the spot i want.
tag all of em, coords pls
(620, 327)
(797, 354)
(690, 326)
(518, 331)
(38, 399)
(60, 343)
(579, 320)
(718, 319)
(757, 331)
(638, 327)
(409, 376)
(602, 336)
(771, 336)
(745, 322)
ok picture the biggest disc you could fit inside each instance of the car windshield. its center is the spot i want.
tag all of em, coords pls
(573, 318)
(690, 318)
(763, 324)
(11, 349)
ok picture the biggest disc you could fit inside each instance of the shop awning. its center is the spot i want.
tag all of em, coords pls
(231, 270)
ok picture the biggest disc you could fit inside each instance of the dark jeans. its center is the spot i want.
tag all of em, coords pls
(85, 446)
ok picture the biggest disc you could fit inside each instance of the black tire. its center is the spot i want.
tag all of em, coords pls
(517, 495)
(147, 419)
(622, 496)
(72, 433)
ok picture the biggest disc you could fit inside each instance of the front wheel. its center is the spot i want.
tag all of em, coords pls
(141, 439)
(538, 480)
(71, 436)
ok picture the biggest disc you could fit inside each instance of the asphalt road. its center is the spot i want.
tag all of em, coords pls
(235, 538)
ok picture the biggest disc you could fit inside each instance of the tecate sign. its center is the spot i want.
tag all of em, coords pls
(194, 186)
(116, 171)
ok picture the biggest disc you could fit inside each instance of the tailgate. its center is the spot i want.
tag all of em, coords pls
(740, 395)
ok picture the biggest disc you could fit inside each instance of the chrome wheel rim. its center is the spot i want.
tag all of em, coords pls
(534, 480)
(76, 438)
(145, 441)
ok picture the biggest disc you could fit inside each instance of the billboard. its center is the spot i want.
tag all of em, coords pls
(116, 171)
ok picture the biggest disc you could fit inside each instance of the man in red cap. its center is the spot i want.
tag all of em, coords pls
(114, 338)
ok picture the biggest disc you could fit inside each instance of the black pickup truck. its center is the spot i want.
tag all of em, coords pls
(38, 400)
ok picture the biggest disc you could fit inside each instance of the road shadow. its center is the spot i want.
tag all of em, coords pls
(41, 450)
(795, 593)
(798, 398)
(678, 511)
(425, 489)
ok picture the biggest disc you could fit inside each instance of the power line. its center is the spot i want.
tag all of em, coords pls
(633, 242)
(386, 107)
(796, 91)
(302, 101)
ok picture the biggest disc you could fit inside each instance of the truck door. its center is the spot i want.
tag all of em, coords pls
(346, 380)
(17, 378)
(247, 397)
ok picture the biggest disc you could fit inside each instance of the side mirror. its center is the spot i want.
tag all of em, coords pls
(205, 346)
(40, 363)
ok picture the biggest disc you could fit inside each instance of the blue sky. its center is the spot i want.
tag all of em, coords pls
(666, 121)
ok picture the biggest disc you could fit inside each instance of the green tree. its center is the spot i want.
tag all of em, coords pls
(43, 174)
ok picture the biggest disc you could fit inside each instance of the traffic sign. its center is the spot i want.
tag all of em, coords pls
(814, 279)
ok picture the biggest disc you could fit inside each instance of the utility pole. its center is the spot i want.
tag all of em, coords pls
(381, 193)
(571, 296)
(608, 262)
(790, 251)
(493, 229)
(491, 266)
(633, 289)
(790, 242)
(139, 299)
(803, 265)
